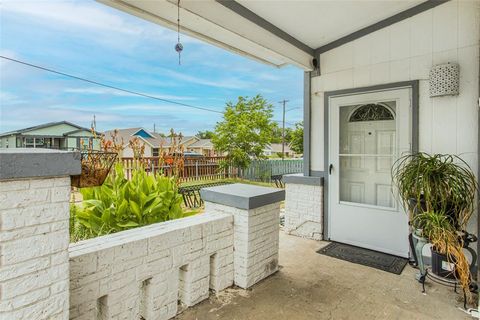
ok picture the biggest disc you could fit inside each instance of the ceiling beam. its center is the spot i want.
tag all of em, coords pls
(424, 6)
(259, 21)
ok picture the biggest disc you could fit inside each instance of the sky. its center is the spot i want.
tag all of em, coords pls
(90, 40)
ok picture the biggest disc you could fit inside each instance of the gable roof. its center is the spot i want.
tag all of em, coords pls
(45, 125)
(141, 130)
(277, 147)
(202, 143)
(155, 140)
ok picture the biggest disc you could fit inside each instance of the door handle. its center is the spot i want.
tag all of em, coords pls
(330, 167)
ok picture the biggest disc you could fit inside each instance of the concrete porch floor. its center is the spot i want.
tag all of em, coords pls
(313, 286)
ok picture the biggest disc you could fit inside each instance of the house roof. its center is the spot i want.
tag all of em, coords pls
(202, 143)
(277, 147)
(45, 125)
(155, 140)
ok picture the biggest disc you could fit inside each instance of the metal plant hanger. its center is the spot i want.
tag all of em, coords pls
(179, 45)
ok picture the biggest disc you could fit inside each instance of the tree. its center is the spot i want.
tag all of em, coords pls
(296, 138)
(245, 131)
(207, 134)
(277, 134)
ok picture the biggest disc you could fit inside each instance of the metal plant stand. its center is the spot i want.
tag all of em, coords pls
(452, 283)
(420, 242)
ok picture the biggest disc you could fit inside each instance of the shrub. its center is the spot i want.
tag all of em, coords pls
(121, 204)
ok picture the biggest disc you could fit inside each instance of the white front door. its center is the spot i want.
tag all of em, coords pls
(368, 132)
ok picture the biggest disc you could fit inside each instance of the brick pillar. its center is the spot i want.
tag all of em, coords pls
(34, 232)
(304, 206)
(256, 212)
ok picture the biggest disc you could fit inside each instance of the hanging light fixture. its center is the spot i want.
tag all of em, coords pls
(179, 45)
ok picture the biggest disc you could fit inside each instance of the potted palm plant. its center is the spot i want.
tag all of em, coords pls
(438, 183)
(439, 193)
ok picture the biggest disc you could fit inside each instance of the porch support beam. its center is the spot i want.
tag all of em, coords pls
(259, 21)
(427, 5)
(307, 105)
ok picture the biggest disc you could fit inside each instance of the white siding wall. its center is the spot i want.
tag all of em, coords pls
(406, 51)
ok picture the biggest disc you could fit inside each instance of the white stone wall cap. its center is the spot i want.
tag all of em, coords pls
(143, 233)
(242, 196)
(302, 179)
(16, 163)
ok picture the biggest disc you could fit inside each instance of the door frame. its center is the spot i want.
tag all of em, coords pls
(413, 85)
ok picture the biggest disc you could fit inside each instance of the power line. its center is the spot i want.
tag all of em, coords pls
(109, 86)
(117, 88)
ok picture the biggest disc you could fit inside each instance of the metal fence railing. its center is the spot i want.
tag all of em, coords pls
(266, 170)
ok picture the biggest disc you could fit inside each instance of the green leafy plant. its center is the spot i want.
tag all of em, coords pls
(439, 183)
(120, 204)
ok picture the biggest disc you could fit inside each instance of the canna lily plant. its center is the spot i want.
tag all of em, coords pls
(120, 204)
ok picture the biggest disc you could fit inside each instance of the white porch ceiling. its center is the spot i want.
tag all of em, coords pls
(319, 22)
(314, 23)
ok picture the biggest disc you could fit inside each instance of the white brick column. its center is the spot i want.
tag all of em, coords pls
(304, 206)
(34, 233)
(256, 212)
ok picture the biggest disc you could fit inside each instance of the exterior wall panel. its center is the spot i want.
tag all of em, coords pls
(406, 51)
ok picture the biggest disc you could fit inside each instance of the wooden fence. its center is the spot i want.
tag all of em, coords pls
(264, 170)
(209, 168)
(204, 168)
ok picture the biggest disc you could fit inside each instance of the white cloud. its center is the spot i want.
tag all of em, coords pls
(106, 91)
(227, 83)
(9, 98)
(78, 14)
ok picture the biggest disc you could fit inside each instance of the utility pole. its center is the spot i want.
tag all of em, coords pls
(283, 102)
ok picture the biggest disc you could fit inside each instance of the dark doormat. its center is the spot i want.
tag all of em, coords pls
(366, 257)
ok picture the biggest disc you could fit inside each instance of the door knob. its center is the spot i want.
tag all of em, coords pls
(330, 167)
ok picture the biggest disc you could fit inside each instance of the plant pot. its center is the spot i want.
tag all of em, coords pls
(95, 168)
(441, 266)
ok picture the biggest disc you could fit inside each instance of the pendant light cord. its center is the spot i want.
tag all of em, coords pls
(178, 21)
(178, 29)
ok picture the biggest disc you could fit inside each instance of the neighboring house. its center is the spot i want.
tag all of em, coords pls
(203, 146)
(373, 86)
(153, 141)
(54, 135)
(276, 149)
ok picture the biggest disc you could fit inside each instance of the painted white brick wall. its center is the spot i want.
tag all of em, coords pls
(303, 210)
(34, 240)
(146, 271)
(256, 241)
